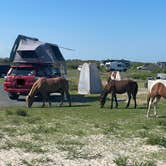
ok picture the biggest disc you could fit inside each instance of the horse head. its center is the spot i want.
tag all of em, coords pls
(29, 100)
(104, 95)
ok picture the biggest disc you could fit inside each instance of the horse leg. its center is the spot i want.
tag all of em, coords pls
(48, 98)
(156, 100)
(148, 99)
(129, 98)
(44, 100)
(135, 102)
(68, 97)
(116, 101)
(112, 99)
(62, 98)
(149, 107)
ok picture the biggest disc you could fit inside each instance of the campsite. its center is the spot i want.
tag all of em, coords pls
(84, 134)
(83, 83)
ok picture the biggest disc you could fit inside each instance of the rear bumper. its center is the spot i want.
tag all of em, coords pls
(16, 90)
(8, 87)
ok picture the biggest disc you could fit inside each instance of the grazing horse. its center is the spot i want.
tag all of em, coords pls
(119, 87)
(157, 91)
(45, 86)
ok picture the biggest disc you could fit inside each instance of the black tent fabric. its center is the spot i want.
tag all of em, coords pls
(31, 50)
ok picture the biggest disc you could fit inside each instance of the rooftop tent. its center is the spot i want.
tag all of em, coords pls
(89, 80)
(31, 50)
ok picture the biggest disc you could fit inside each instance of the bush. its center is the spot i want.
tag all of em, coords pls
(121, 161)
(21, 112)
(157, 140)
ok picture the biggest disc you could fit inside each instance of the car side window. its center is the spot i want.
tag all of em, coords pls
(40, 73)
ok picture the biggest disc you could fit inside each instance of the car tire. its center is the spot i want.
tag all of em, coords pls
(13, 96)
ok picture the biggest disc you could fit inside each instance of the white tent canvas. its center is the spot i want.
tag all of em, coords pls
(89, 81)
(117, 75)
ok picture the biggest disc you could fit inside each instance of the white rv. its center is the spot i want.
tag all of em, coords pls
(115, 66)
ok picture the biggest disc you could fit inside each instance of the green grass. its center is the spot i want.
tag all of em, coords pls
(81, 119)
(36, 129)
(124, 161)
(157, 140)
(2, 80)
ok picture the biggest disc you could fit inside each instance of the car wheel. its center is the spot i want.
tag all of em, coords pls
(13, 96)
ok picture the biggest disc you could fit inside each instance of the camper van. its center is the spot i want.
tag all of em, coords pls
(115, 66)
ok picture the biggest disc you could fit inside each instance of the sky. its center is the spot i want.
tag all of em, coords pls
(96, 29)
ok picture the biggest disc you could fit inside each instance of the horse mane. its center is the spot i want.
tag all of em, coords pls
(34, 89)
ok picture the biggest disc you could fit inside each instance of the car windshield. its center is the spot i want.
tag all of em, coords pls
(22, 71)
(43, 71)
(48, 71)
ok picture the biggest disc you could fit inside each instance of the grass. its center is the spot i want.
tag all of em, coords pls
(67, 129)
(157, 140)
(121, 161)
(124, 161)
(57, 125)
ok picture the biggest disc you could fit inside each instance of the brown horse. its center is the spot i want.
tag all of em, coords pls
(45, 86)
(157, 91)
(119, 87)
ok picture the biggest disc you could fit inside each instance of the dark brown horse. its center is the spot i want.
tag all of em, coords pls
(157, 91)
(119, 87)
(45, 86)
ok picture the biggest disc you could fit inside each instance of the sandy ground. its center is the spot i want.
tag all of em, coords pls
(98, 150)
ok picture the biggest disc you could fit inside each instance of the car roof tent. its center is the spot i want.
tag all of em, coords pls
(31, 50)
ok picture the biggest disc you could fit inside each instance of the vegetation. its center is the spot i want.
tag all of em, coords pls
(4, 61)
(124, 161)
(83, 132)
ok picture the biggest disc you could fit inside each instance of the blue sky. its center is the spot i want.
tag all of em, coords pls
(96, 29)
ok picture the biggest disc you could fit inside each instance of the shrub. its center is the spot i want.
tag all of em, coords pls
(21, 112)
(146, 163)
(121, 161)
(156, 140)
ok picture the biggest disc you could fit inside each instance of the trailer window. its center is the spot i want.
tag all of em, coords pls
(28, 54)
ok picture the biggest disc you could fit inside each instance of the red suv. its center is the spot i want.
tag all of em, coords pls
(20, 78)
